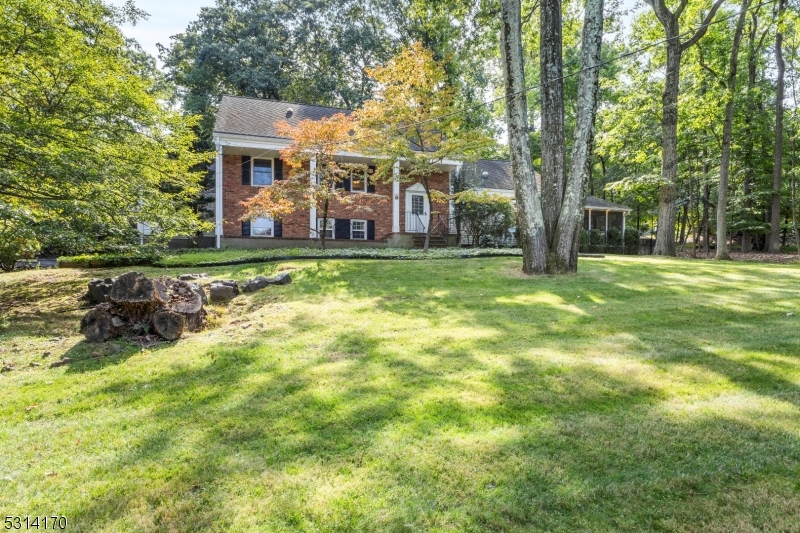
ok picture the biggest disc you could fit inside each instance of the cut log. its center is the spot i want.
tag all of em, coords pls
(188, 302)
(137, 295)
(98, 324)
(168, 324)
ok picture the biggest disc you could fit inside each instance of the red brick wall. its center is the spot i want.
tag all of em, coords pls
(296, 225)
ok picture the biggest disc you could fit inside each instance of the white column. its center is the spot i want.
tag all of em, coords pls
(452, 207)
(312, 222)
(218, 196)
(396, 197)
(590, 220)
(624, 216)
(606, 221)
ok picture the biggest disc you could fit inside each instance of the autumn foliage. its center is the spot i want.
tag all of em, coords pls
(313, 171)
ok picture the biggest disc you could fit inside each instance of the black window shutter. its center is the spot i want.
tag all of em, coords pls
(278, 170)
(370, 230)
(246, 173)
(245, 228)
(345, 184)
(278, 228)
(370, 182)
(342, 228)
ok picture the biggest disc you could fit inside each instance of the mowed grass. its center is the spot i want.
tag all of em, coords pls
(642, 394)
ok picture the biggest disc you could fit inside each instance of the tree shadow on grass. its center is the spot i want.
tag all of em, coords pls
(519, 427)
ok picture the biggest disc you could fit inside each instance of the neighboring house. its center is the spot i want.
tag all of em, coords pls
(496, 177)
(248, 157)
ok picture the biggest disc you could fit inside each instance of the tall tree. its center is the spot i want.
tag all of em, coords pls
(553, 148)
(544, 249)
(727, 132)
(90, 142)
(531, 228)
(675, 47)
(564, 249)
(777, 169)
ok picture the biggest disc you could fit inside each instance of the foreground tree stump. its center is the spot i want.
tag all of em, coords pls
(188, 302)
(99, 324)
(137, 295)
(136, 304)
(168, 324)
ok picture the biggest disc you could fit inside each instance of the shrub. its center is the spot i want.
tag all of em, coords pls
(484, 215)
(596, 237)
(583, 238)
(632, 241)
(17, 237)
(614, 237)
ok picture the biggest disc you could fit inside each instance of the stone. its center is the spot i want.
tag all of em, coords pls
(284, 278)
(255, 284)
(35, 364)
(62, 362)
(7, 368)
(45, 355)
(221, 292)
(192, 277)
(229, 283)
(117, 322)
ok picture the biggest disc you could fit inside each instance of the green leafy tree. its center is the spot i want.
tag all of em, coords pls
(89, 139)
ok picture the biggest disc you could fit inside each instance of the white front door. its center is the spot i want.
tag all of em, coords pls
(417, 209)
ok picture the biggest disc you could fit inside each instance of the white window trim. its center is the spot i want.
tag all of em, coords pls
(332, 222)
(365, 229)
(253, 227)
(253, 170)
(365, 179)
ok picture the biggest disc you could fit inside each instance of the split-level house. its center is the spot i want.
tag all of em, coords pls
(248, 157)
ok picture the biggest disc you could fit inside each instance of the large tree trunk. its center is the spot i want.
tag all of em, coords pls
(777, 169)
(530, 231)
(552, 89)
(727, 133)
(665, 237)
(564, 251)
(706, 202)
(794, 200)
(747, 178)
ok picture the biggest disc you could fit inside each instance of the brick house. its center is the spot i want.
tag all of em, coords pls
(248, 158)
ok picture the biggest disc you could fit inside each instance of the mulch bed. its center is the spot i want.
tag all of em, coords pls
(751, 257)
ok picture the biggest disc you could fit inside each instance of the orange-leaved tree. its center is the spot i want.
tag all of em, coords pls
(414, 119)
(313, 173)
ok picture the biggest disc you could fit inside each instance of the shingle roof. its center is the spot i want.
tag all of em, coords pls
(594, 201)
(498, 175)
(257, 116)
(495, 174)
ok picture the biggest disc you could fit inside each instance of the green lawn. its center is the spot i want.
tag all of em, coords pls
(643, 394)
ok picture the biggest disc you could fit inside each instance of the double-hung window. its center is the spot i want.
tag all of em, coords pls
(262, 227)
(262, 172)
(358, 230)
(328, 229)
(358, 182)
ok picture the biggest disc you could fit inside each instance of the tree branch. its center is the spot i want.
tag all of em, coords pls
(703, 27)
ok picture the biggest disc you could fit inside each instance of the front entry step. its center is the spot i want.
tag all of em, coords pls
(437, 241)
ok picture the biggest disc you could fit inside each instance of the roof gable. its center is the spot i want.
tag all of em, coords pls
(256, 117)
